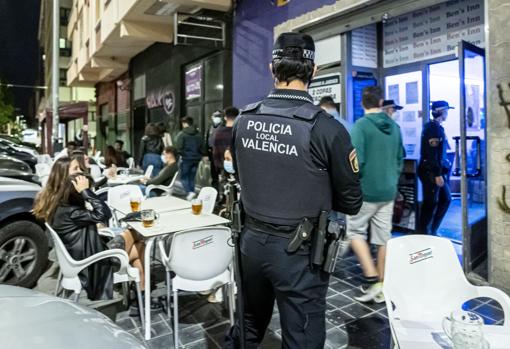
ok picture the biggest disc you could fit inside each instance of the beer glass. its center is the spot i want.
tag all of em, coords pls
(196, 206)
(148, 218)
(135, 203)
(464, 328)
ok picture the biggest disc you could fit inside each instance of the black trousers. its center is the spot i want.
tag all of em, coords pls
(436, 201)
(269, 273)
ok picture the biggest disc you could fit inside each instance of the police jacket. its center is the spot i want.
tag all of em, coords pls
(293, 160)
(77, 228)
(433, 149)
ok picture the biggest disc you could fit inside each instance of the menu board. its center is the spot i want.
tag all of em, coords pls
(432, 32)
(193, 82)
(364, 46)
(325, 85)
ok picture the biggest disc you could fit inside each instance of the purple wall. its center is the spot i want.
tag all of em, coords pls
(253, 40)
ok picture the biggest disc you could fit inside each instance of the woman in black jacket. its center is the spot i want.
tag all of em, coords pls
(77, 228)
(151, 147)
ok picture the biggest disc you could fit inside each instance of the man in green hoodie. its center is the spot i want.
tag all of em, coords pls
(378, 144)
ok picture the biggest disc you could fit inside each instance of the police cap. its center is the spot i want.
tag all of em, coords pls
(438, 106)
(390, 103)
(300, 40)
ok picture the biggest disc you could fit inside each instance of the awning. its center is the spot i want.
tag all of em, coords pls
(70, 110)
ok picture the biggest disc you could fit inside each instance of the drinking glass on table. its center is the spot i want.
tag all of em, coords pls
(196, 206)
(136, 203)
(148, 218)
(464, 329)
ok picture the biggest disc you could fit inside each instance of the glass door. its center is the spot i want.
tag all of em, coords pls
(473, 158)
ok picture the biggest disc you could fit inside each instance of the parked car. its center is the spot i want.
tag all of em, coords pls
(14, 168)
(23, 241)
(19, 145)
(7, 148)
(32, 319)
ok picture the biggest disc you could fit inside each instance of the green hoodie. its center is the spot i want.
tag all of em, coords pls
(378, 143)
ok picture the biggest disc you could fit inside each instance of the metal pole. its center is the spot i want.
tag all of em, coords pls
(55, 79)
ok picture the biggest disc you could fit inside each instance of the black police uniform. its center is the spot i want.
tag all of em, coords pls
(293, 160)
(433, 163)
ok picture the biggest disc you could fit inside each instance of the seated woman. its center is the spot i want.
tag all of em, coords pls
(166, 175)
(112, 158)
(77, 228)
(80, 163)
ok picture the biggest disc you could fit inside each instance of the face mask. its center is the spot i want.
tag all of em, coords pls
(163, 160)
(228, 166)
(216, 120)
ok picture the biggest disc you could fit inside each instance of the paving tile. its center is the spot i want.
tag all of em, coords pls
(489, 312)
(371, 332)
(160, 329)
(357, 310)
(126, 324)
(339, 301)
(275, 323)
(162, 342)
(338, 318)
(331, 292)
(191, 334)
(341, 286)
(336, 338)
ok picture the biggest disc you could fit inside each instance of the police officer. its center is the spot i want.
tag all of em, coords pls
(293, 161)
(433, 170)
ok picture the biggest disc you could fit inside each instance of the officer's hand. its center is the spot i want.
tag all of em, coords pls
(439, 181)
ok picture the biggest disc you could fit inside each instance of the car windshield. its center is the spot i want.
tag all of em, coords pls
(11, 139)
(7, 163)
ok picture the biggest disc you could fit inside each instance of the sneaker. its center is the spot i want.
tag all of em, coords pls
(364, 288)
(216, 297)
(379, 298)
(190, 196)
(371, 293)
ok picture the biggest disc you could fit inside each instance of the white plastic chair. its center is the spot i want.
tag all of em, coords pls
(201, 261)
(148, 172)
(424, 282)
(167, 190)
(119, 196)
(208, 196)
(95, 172)
(70, 268)
(130, 162)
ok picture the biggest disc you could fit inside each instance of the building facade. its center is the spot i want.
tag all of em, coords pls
(418, 51)
(76, 103)
(130, 52)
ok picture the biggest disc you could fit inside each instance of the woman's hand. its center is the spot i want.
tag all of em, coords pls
(81, 183)
(439, 181)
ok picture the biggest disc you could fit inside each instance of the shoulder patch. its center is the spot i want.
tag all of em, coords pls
(434, 142)
(353, 160)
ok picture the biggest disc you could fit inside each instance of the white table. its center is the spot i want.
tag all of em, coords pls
(159, 204)
(433, 337)
(168, 223)
(120, 180)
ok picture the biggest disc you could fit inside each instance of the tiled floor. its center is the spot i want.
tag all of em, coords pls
(350, 324)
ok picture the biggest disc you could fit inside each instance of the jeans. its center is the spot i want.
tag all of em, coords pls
(188, 170)
(154, 160)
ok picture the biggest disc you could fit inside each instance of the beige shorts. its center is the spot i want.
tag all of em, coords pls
(379, 215)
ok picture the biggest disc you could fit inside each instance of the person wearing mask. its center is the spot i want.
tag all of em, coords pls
(216, 121)
(433, 170)
(223, 139)
(190, 145)
(328, 104)
(378, 143)
(390, 107)
(151, 147)
(119, 148)
(293, 161)
(166, 175)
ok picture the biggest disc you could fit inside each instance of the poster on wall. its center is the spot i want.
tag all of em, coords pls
(325, 85)
(432, 32)
(364, 46)
(193, 82)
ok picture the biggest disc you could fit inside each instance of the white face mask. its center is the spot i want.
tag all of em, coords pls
(216, 120)
(228, 166)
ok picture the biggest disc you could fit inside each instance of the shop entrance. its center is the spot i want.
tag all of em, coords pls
(461, 82)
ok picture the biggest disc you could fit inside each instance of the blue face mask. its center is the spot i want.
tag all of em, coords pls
(228, 166)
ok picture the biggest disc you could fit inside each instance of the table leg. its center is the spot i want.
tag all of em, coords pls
(147, 265)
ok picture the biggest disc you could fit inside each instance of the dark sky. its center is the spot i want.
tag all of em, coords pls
(19, 22)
